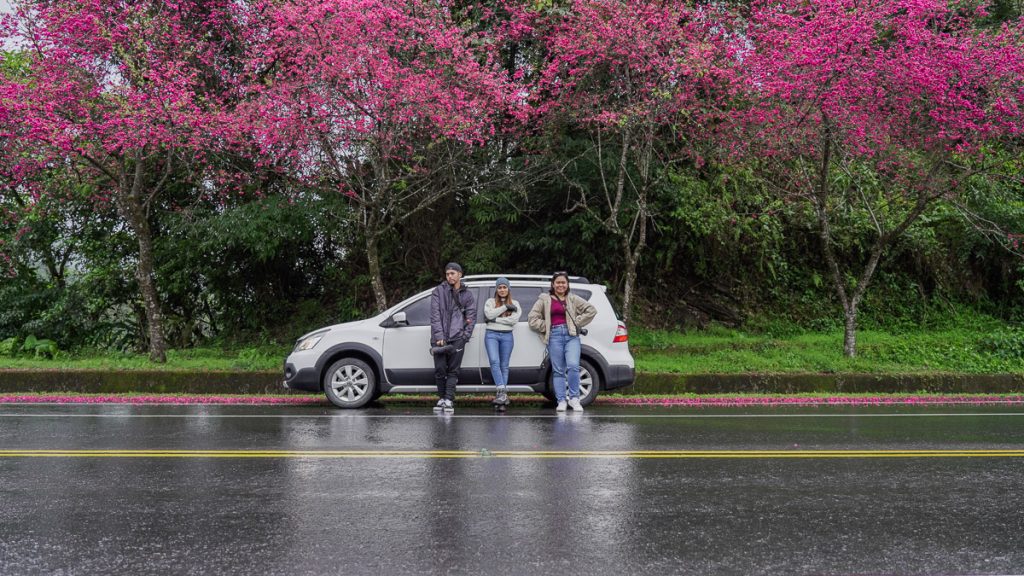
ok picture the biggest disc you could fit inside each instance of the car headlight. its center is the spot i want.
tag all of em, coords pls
(308, 342)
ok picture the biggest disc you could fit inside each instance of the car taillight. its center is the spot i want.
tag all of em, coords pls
(621, 335)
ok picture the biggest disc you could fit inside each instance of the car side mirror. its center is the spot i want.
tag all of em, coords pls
(398, 319)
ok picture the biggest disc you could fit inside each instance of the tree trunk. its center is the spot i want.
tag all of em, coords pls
(376, 278)
(627, 288)
(851, 301)
(133, 212)
(632, 254)
(850, 333)
(820, 199)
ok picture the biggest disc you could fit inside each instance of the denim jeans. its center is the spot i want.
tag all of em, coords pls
(499, 350)
(564, 351)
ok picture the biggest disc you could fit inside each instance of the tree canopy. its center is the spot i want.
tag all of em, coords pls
(186, 170)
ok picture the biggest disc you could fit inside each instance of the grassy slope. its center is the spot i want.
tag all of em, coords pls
(730, 352)
(715, 351)
(195, 359)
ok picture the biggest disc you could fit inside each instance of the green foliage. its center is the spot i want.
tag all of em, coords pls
(10, 346)
(735, 352)
(13, 64)
(1006, 344)
(192, 359)
(259, 358)
(39, 348)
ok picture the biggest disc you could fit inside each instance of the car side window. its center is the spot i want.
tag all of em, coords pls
(527, 297)
(481, 298)
(418, 313)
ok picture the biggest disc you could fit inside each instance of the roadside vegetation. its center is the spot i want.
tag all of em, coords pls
(727, 351)
(258, 359)
(961, 342)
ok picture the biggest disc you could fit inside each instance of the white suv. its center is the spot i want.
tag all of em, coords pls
(354, 363)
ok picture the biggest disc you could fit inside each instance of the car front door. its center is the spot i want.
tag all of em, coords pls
(406, 350)
(528, 354)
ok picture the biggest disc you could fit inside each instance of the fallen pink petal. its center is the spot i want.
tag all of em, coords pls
(688, 401)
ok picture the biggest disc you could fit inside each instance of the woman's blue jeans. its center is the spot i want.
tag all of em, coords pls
(499, 350)
(564, 351)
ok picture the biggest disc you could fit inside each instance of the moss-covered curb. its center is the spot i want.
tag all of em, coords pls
(828, 383)
(637, 401)
(140, 381)
(171, 382)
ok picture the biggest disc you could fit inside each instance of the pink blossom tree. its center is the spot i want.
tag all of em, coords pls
(643, 80)
(380, 100)
(122, 91)
(884, 107)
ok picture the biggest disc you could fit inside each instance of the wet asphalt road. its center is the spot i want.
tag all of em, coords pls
(310, 490)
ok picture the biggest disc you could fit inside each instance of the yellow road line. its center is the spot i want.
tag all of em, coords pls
(410, 454)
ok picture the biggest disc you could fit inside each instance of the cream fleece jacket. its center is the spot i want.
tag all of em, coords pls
(578, 313)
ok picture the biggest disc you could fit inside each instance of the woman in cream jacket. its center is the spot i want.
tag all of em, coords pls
(560, 318)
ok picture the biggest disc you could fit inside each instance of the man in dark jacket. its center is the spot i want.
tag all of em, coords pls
(452, 318)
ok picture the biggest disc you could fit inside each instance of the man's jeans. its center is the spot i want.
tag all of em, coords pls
(446, 370)
(499, 350)
(564, 351)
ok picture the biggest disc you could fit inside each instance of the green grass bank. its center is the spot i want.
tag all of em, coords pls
(976, 349)
(974, 358)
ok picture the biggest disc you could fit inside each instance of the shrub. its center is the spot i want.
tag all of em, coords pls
(10, 346)
(39, 348)
(1007, 343)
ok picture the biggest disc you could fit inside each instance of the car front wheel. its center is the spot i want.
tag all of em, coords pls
(350, 383)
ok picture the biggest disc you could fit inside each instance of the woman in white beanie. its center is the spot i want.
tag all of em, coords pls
(501, 313)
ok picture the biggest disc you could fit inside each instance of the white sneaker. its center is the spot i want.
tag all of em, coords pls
(440, 405)
(574, 403)
(560, 407)
(449, 407)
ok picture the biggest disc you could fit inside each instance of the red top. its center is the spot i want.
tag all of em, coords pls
(557, 312)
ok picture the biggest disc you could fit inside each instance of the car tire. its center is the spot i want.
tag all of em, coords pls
(590, 383)
(350, 383)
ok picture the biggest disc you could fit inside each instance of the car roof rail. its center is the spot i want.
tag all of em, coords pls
(545, 277)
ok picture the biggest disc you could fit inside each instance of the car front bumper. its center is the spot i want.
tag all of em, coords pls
(303, 379)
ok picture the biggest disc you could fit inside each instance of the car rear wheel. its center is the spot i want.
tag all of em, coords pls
(590, 384)
(350, 383)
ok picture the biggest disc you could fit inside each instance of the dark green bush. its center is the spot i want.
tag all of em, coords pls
(1007, 344)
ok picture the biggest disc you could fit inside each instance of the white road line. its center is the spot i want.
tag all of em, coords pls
(567, 416)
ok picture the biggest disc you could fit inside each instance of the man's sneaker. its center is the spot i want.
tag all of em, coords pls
(560, 407)
(439, 406)
(449, 406)
(574, 403)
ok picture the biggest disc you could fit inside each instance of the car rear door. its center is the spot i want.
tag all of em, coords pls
(469, 375)
(527, 361)
(527, 364)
